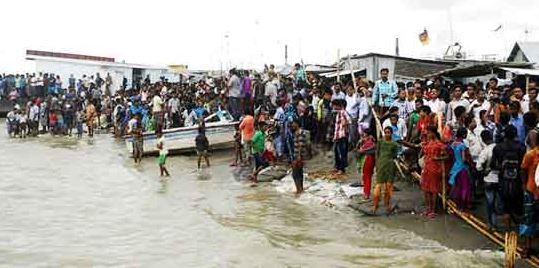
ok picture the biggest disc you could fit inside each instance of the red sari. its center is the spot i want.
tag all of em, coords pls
(431, 176)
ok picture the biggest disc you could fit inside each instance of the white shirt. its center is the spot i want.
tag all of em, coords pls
(131, 125)
(271, 90)
(364, 114)
(454, 104)
(157, 104)
(338, 96)
(482, 106)
(352, 105)
(474, 144)
(163, 150)
(34, 113)
(483, 163)
(437, 106)
(401, 127)
(174, 105)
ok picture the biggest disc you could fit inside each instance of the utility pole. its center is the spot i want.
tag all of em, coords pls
(397, 46)
(285, 54)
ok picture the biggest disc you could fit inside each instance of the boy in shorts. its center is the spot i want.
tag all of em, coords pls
(202, 146)
(163, 152)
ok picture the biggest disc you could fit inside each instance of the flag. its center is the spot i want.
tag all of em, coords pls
(424, 37)
(497, 28)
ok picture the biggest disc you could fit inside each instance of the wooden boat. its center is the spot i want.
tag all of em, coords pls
(220, 128)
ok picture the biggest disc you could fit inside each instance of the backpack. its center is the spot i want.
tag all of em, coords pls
(510, 166)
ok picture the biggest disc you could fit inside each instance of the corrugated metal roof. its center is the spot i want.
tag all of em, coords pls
(67, 55)
(100, 63)
(522, 71)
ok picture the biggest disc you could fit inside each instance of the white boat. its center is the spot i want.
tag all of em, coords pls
(220, 128)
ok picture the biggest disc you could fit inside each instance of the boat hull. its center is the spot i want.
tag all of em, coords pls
(182, 140)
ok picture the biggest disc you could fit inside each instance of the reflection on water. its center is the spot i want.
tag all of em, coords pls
(71, 202)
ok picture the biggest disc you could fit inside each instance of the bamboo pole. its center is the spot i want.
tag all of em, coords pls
(482, 228)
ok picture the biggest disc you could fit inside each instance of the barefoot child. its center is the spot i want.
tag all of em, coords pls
(386, 152)
(202, 146)
(163, 152)
(366, 149)
(258, 144)
(237, 147)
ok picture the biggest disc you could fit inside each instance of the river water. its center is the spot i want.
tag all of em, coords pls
(82, 202)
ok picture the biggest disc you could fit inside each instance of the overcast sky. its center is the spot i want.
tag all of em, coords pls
(161, 32)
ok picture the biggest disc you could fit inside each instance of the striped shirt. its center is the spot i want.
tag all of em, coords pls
(300, 143)
(341, 125)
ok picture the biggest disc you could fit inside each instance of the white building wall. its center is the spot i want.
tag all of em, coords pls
(65, 69)
(373, 65)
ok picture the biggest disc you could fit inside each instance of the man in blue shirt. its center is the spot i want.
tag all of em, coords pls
(517, 121)
(384, 92)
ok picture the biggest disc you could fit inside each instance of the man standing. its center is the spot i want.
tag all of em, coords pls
(234, 94)
(174, 110)
(108, 84)
(456, 102)
(258, 89)
(517, 121)
(247, 91)
(506, 161)
(342, 122)
(384, 92)
(33, 118)
(157, 109)
(337, 92)
(405, 107)
(71, 82)
(352, 108)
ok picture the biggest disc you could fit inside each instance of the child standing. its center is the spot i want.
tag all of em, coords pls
(258, 147)
(163, 152)
(80, 119)
(202, 147)
(237, 147)
(386, 152)
(365, 163)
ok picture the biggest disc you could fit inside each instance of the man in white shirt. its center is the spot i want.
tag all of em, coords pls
(157, 109)
(33, 118)
(456, 102)
(400, 129)
(337, 92)
(352, 109)
(272, 88)
(174, 110)
(478, 105)
(405, 107)
(364, 112)
(490, 176)
(437, 105)
(527, 99)
(234, 94)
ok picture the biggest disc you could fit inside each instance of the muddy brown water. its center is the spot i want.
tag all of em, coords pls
(67, 202)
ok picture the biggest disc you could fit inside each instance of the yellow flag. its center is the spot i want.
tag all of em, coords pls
(424, 37)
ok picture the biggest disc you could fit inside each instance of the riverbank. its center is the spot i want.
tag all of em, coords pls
(83, 202)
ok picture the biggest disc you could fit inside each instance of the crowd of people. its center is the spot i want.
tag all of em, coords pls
(477, 140)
